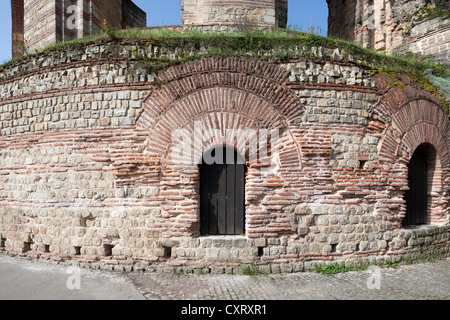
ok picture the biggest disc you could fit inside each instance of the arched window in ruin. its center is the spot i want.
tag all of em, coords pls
(420, 181)
(222, 192)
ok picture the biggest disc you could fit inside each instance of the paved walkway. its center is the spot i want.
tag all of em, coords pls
(428, 281)
(24, 279)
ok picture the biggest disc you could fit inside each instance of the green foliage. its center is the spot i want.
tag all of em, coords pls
(396, 85)
(442, 84)
(430, 12)
(331, 269)
(260, 44)
(424, 14)
(431, 76)
(250, 270)
(391, 265)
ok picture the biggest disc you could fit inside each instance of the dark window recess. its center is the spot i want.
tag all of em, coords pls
(260, 251)
(167, 252)
(333, 248)
(108, 250)
(27, 246)
(417, 196)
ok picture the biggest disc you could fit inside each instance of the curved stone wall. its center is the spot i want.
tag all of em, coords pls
(419, 27)
(86, 172)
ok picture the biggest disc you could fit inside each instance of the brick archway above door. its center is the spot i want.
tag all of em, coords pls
(404, 119)
(241, 93)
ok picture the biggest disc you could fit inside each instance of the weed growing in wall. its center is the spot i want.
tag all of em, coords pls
(424, 14)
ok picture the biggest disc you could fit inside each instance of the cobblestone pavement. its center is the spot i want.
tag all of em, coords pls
(425, 281)
(24, 279)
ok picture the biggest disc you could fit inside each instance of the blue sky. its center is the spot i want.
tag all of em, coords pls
(302, 13)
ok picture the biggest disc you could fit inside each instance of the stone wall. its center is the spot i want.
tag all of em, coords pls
(429, 39)
(408, 26)
(400, 26)
(85, 173)
(343, 17)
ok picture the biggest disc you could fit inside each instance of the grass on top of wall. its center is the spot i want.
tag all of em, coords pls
(254, 43)
(283, 44)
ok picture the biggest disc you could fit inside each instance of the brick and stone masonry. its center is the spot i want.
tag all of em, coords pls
(86, 172)
(407, 26)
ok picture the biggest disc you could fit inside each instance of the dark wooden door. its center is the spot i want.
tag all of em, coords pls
(417, 196)
(222, 196)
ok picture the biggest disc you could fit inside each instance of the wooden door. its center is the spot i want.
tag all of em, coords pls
(222, 196)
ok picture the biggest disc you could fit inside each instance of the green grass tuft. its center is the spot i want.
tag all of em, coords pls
(250, 270)
(331, 269)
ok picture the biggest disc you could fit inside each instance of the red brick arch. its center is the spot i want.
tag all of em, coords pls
(405, 118)
(228, 93)
(415, 122)
(418, 122)
(401, 109)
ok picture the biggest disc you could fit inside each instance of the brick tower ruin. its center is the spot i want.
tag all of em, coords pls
(44, 22)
